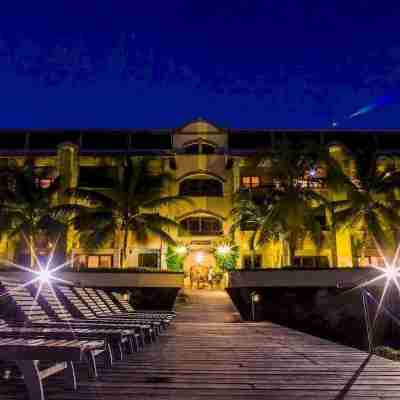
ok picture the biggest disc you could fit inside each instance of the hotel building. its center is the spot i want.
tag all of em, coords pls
(208, 164)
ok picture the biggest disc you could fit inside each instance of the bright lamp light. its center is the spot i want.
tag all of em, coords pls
(223, 249)
(391, 272)
(199, 257)
(45, 275)
(181, 250)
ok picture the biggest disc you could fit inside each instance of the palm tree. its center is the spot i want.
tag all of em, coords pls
(290, 204)
(370, 205)
(130, 207)
(27, 209)
(253, 215)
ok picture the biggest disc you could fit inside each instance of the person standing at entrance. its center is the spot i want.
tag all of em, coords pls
(210, 278)
(192, 274)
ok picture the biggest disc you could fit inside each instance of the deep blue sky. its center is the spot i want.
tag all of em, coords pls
(240, 64)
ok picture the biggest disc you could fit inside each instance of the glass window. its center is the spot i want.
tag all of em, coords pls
(201, 187)
(192, 149)
(105, 261)
(207, 149)
(95, 261)
(148, 260)
(251, 181)
(311, 262)
(201, 226)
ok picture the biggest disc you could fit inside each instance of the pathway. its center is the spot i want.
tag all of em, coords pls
(205, 306)
(203, 357)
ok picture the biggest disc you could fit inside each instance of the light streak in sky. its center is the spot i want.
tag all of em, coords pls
(379, 103)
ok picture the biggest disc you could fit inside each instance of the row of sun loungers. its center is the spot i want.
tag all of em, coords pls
(65, 325)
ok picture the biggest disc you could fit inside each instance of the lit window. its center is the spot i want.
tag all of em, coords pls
(95, 261)
(148, 260)
(251, 181)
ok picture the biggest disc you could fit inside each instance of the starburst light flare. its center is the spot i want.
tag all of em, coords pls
(44, 273)
(390, 273)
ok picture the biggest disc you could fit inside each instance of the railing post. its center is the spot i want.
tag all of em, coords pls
(368, 325)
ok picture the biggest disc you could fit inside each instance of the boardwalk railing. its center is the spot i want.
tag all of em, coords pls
(367, 295)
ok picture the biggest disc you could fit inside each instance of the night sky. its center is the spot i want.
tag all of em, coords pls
(239, 64)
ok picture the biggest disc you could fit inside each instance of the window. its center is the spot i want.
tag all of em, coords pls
(250, 181)
(95, 261)
(371, 261)
(207, 149)
(208, 226)
(148, 260)
(97, 177)
(311, 262)
(192, 149)
(201, 187)
(247, 262)
(199, 148)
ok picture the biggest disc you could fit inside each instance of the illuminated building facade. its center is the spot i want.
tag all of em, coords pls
(208, 166)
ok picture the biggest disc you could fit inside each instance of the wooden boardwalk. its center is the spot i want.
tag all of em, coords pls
(199, 359)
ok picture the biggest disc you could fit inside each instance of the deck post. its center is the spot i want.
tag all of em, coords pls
(32, 378)
(367, 320)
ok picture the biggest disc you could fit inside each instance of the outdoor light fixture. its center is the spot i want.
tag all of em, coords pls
(312, 172)
(223, 249)
(199, 257)
(391, 272)
(256, 298)
(42, 274)
(181, 250)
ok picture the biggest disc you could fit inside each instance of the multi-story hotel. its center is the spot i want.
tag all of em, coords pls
(207, 165)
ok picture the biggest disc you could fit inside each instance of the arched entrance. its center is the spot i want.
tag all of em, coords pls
(200, 270)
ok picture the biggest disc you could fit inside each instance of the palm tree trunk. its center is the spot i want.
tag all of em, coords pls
(333, 241)
(31, 251)
(292, 249)
(253, 258)
(292, 252)
(124, 248)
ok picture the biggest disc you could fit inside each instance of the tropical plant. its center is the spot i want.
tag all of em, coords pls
(370, 206)
(226, 254)
(130, 207)
(29, 210)
(287, 209)
(175, 259)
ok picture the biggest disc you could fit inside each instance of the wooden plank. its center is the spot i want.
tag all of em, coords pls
(201, 358)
